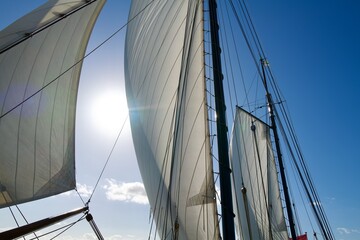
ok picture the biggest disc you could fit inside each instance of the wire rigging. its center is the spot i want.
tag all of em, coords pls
(252, 41)
(107, 160)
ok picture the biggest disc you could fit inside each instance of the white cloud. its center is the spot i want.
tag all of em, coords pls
(84, 190)
(116, 237)
(121, 237)
(89, 236)
(68, 193)
(343, 230)
(126, 192)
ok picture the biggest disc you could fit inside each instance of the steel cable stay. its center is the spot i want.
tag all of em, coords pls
(322, 221)
(260, 217)
(304, 174)
(63, 228)
(227, 63)
(254, 36)
(295, 145)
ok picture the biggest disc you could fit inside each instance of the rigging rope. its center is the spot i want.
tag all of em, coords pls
(107, 160)
(252, 41)
(75, 64)
(65, 228)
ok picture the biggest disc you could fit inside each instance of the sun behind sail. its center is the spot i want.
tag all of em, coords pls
(259, 213)
(37, 126)
(165, 85)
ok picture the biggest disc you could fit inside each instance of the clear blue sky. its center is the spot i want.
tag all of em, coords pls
(313, 48)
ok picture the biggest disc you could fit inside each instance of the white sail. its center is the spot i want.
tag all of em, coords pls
(165, 85)
(259, 213)
(37, 127)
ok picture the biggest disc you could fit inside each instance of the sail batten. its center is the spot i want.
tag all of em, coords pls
(37, 133)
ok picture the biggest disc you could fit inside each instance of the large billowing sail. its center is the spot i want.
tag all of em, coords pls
(165, 85)
(259, 213)
(37, 125)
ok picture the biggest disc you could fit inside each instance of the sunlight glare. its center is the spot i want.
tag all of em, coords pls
(109, 111)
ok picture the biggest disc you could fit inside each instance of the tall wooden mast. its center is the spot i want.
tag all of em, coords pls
(223, 146)
(279, 155)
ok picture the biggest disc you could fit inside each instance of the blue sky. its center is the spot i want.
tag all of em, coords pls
(313, 48)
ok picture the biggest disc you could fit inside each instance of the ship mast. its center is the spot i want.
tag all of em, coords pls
(279, 155)
(223, 154)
